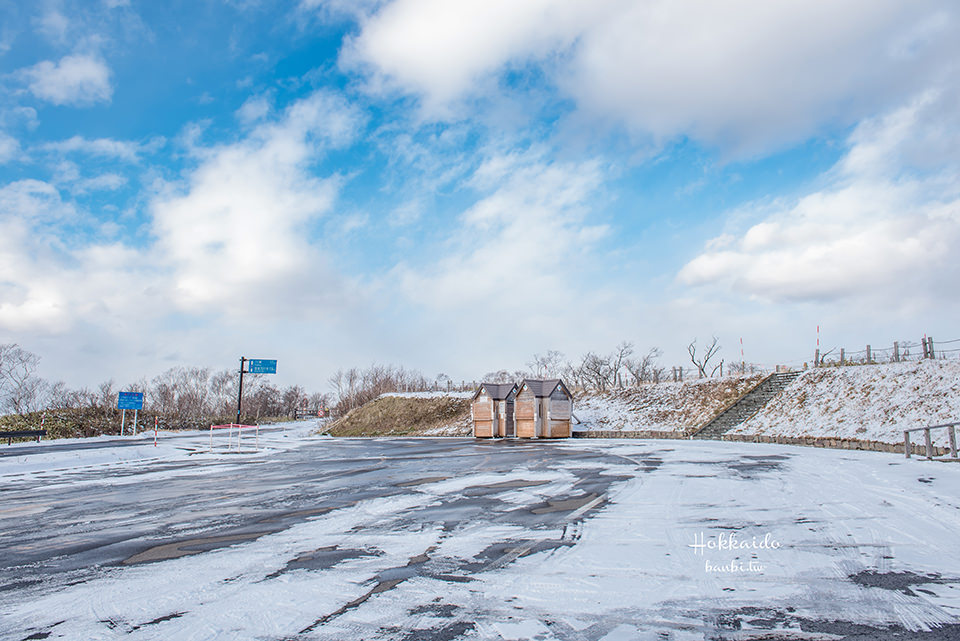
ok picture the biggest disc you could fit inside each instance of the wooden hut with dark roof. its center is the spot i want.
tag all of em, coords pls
(492, 410)
(543, 408)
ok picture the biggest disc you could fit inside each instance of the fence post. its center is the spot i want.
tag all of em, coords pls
(868, 354)
(680, 373)
(923, 342)
(842, 352)
(952, 434)
(906, 443)
(929, 443)
(896, 351)
(930, 347)
(816, 358)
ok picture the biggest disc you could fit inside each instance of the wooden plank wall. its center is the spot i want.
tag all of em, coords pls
(483, 417)
(525, 414)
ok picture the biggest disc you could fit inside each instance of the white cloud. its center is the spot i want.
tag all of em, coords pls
(53, 25)
(240, 232)
(102, 182)
(77, 80)
(103, 147)
(442, 49)
(30, 295)
(532, 227)
(32, 200)
(887, 226)
(9, 148)
(254, 110)
(745, 75)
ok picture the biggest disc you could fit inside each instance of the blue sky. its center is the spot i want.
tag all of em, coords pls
(455, 186)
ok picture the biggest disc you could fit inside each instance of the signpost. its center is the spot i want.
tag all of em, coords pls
(129, 401)
(254, 366)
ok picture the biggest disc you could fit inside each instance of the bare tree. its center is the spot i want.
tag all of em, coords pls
(617, 361)
(546, 365)
(703, 361)
(21, 390)
(645, 369)
(595, 371)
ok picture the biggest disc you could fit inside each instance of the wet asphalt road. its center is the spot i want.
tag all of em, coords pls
(141, 513)
(363, 505)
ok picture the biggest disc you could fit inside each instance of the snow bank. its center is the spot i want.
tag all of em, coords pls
(869, 402)
(665, 407)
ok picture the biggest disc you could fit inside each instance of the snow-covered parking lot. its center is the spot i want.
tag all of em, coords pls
(444, 539)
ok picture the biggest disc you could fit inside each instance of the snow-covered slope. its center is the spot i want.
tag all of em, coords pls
(661, 407)
(870, 402)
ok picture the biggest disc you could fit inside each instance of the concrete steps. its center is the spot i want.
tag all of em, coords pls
(748, 405)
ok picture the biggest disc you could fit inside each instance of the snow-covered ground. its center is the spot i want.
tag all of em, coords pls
(664, 407)
(869, 402)
(55, 456)
(837, 541)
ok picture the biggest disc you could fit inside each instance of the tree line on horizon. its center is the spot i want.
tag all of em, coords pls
(180, 394)
(195, 393)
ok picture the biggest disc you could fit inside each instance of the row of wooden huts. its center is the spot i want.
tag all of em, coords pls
(532, 408)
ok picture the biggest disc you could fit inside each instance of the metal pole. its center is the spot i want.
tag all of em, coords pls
(929, 443)
(906, 443)
(123, 417)
(135, 422)
(240, 392)
(952, 434)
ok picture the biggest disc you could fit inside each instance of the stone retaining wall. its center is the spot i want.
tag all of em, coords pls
(809, 441)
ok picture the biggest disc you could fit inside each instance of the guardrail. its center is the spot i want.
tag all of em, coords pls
(22, 434)
(951, 435)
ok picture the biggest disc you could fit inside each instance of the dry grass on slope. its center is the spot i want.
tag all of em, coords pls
(399, 416)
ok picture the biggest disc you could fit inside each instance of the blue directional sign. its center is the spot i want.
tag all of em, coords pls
(130, 401)
(261, 366)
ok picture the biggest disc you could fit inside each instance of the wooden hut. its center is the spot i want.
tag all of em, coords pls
(543, 409)
(492, 410)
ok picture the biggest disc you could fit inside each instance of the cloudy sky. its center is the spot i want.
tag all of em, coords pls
(454, 186)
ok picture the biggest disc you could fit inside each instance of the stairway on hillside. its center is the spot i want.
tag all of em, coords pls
(748, 405)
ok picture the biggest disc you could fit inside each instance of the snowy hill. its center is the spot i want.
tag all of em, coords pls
(661, 407)
(870, 402)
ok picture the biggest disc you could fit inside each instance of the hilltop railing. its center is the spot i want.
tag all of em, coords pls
(898, 352)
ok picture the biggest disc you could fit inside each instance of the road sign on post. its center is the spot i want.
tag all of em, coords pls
(129, 401)
(261, 366)
(254, 366)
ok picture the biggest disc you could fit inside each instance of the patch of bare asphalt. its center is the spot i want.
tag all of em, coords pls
(386, 580)
(43, 634)
(771, 624)
(491, 488)
(564, 505)
(187, 547)
(323, 558)
(423, 481)
(898, 581)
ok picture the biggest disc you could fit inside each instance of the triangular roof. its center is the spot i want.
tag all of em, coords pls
(497, 391)
(542, 387)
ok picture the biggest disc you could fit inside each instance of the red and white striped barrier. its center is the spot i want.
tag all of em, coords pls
(230, 427)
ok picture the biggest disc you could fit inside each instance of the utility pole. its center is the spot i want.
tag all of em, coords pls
(240, 392)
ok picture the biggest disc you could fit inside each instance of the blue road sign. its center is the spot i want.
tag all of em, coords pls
(261, 366)
(130, 401)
